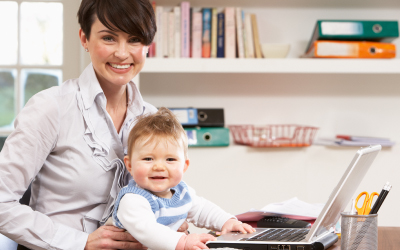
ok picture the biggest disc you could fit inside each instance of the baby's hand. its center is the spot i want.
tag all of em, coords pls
(197, 241)
(233, 225)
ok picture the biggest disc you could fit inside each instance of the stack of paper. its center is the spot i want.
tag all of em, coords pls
(293, 208)
(355, 141)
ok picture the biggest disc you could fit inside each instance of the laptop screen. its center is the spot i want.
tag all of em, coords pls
(343, 191)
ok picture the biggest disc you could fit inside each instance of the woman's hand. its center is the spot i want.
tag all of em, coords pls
(233, 225)
(110, 237)
(184, 228)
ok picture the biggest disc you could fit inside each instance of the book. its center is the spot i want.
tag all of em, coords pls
(196, 34)
(152, 47)
(164, 34)
(249, 48)
(159, 40)
(256, 39)
(152, 50)
(368, 30)
(171, 34)
(230, 33)
(239, 32)
(206, 33)
(185, 29)
(214, 25)
(351, 49)
(190, 31)
(221, 35)
(177, 37)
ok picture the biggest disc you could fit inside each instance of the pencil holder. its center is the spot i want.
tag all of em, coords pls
(359, 231)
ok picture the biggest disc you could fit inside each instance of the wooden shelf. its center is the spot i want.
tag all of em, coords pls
(290, 65)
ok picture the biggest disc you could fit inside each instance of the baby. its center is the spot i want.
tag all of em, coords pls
(156, 203)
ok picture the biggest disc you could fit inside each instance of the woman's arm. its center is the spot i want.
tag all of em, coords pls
(22, 157)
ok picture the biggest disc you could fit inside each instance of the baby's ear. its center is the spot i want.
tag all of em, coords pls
(186, 165)
(127, 163)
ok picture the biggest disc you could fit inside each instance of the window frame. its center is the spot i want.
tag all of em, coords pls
(72, 52)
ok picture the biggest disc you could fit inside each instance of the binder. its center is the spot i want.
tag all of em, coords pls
(351, 49)
(201, 117)
(210, 117)
(354, 30)
(207, 137)
(186, 116)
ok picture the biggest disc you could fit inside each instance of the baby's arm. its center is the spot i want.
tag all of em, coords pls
(206, 214)
(135, 214)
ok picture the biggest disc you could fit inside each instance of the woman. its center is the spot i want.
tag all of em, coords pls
(69, 141)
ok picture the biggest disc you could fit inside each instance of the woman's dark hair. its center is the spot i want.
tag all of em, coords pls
(134, 17)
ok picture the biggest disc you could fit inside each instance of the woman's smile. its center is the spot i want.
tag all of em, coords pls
(120, 68)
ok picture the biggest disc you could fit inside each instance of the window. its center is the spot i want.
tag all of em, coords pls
(31, 50)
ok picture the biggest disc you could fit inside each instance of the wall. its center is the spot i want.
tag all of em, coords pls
(239, 178)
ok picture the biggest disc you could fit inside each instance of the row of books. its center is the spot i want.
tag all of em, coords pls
(184, 32)
(353, 39)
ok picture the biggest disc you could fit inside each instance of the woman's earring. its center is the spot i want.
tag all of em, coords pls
(87, 50)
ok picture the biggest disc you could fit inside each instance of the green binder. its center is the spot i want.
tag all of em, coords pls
(207, 137)
(354, 30)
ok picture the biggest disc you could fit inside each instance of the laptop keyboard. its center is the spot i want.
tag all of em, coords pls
(277, 234)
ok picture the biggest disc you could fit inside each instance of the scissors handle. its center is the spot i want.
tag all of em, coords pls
(369, 205)
(361, 210)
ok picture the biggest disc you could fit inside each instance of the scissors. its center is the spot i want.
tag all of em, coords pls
(366, 207)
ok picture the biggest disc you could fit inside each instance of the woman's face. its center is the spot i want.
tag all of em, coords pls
(117, 57)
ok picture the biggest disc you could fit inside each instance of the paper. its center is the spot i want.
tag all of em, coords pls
(340, 142)
(293, 208)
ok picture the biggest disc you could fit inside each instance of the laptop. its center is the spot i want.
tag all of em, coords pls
(321, 235)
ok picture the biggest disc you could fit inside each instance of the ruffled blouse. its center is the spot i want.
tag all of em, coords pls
(66, 144)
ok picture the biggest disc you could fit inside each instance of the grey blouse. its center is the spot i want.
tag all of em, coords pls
(66, 144)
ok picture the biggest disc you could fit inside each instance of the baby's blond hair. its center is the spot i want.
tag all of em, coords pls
(162, 124)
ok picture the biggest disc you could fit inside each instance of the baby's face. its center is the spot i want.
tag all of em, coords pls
(158, 165)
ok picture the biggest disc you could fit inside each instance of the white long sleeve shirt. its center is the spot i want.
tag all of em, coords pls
(135, 213)
(65, 143)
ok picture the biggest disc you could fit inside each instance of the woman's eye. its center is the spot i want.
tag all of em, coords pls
(134, 40)
(108, 39)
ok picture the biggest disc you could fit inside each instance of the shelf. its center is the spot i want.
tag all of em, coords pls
(288, 3)
(292, 65)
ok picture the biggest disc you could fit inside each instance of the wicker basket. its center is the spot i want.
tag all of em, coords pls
(273, 135)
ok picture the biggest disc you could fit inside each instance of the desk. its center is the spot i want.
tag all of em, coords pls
(388, 239)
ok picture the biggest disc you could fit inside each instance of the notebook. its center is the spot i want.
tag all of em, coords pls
(321, 235)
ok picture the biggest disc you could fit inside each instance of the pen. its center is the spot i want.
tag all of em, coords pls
(374, 210)
(353, 207)
(381, 198)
